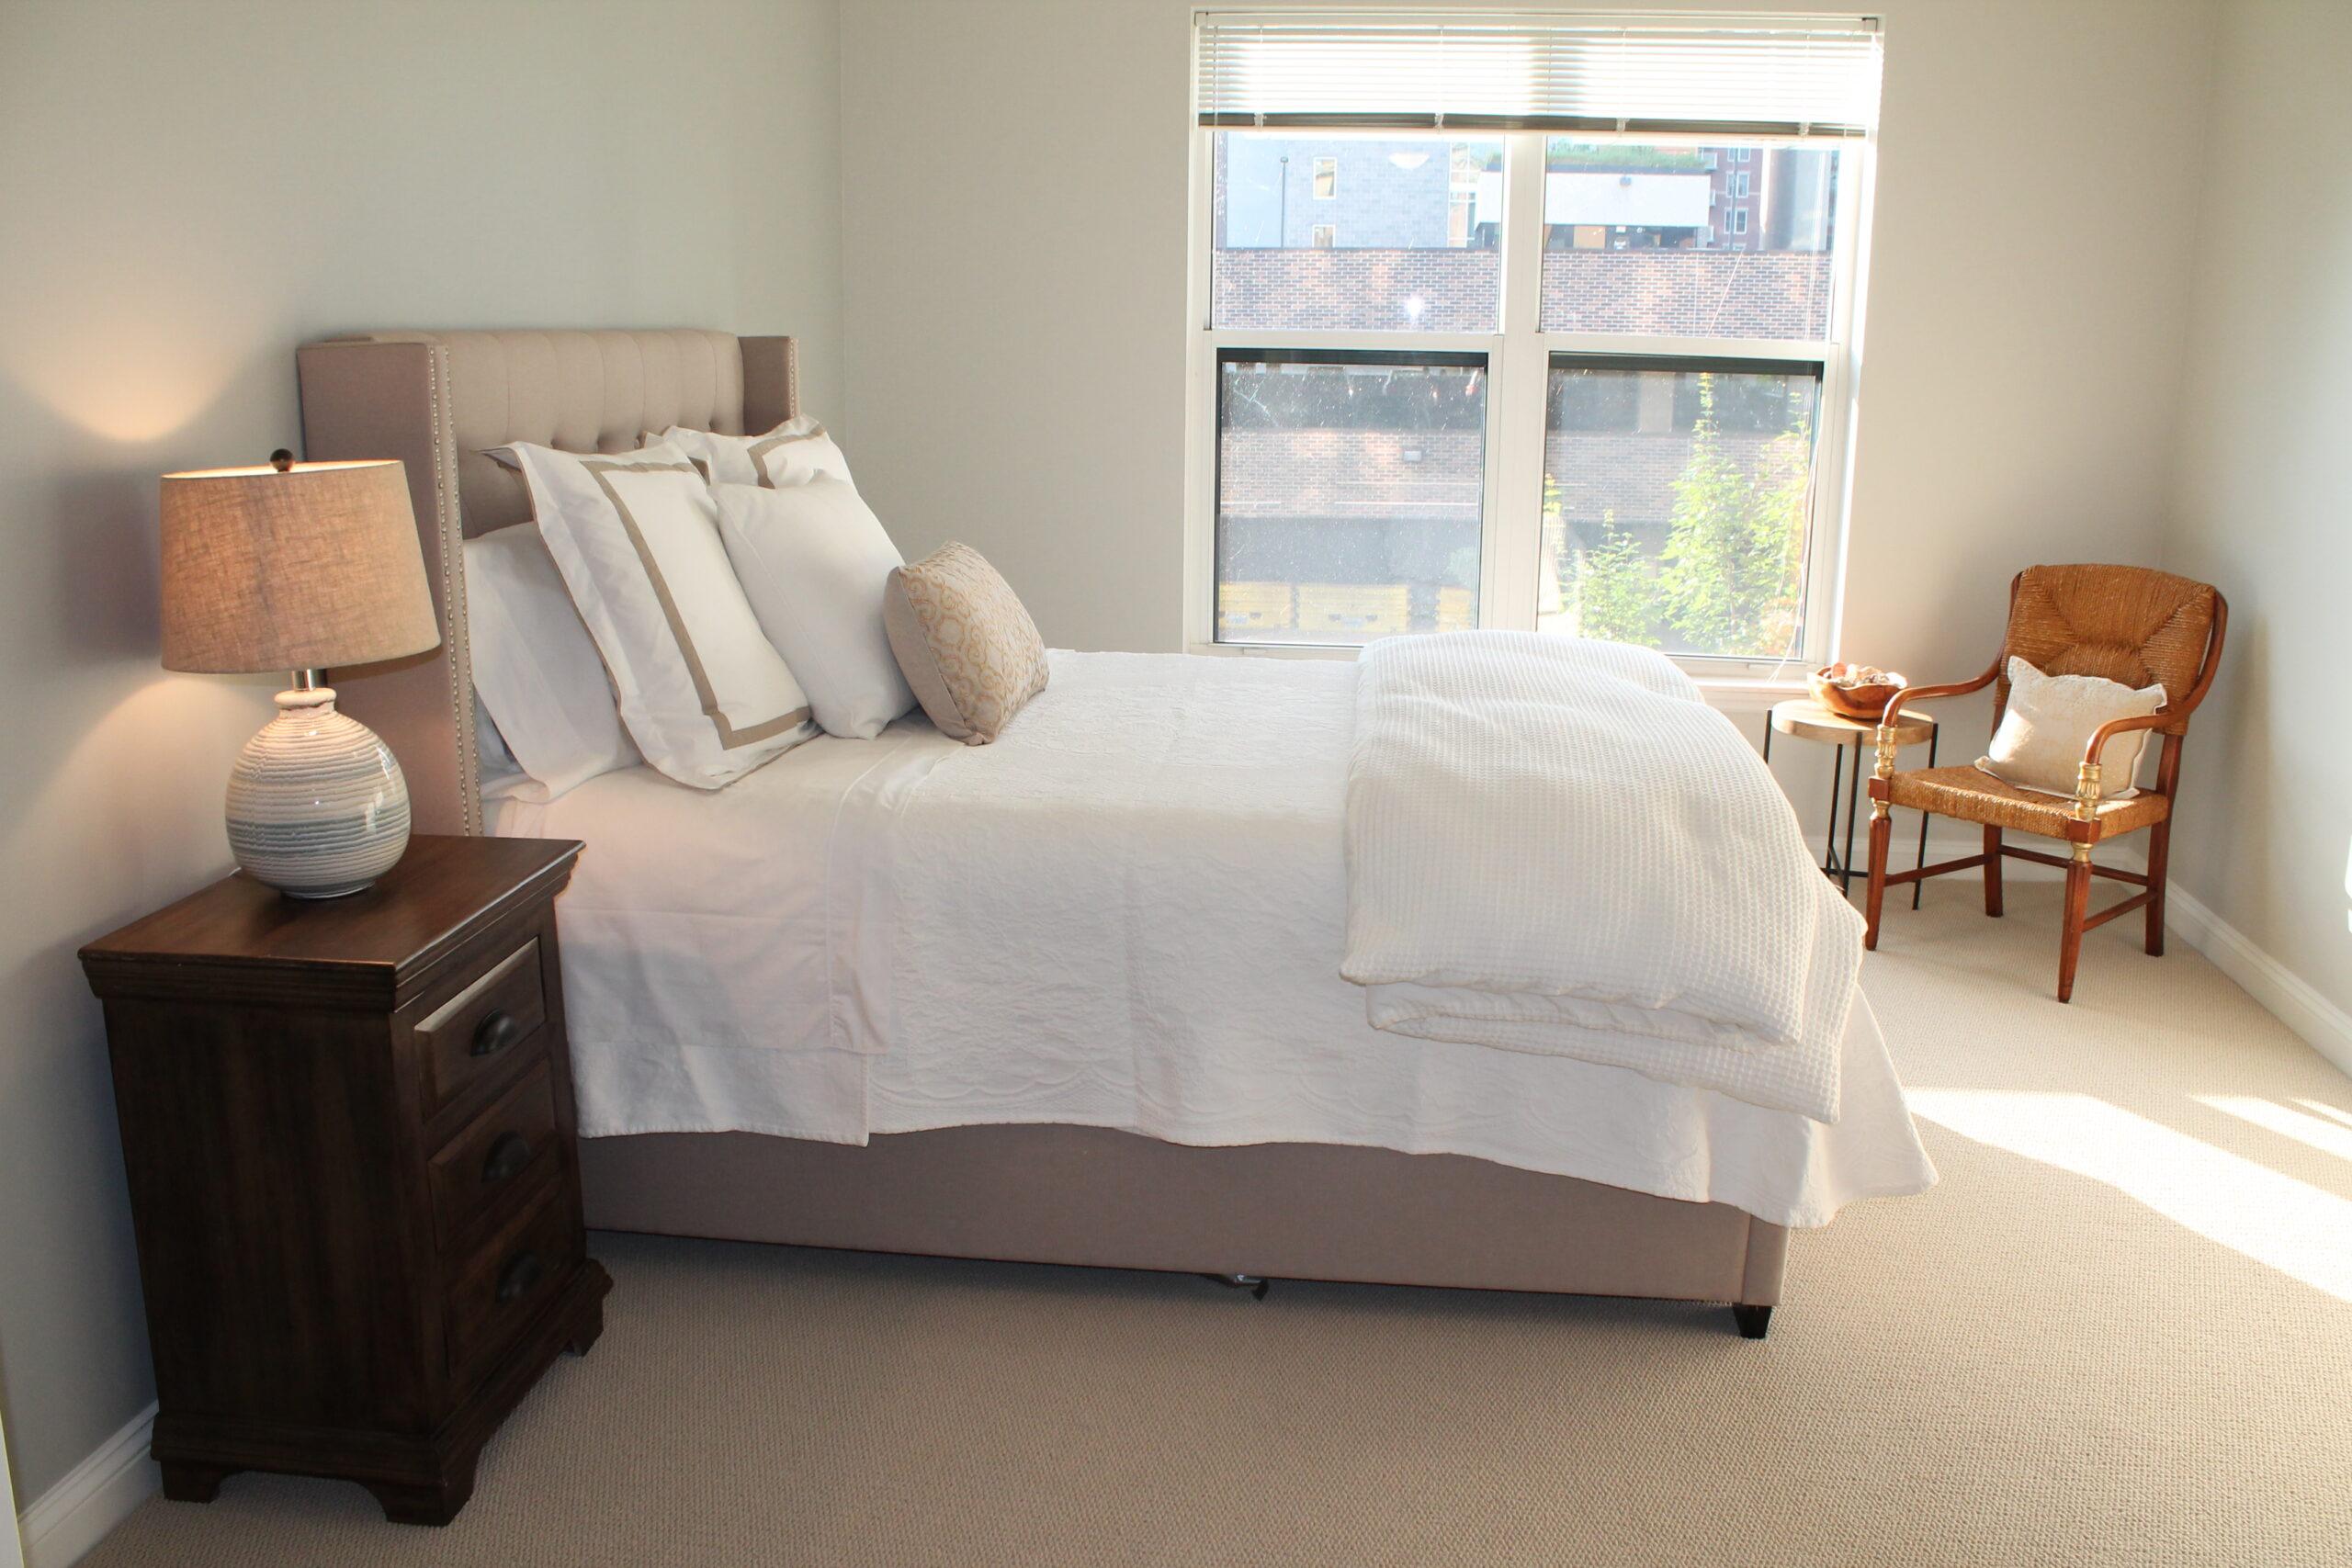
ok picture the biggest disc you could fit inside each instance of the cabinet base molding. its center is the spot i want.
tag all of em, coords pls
(418, 1481)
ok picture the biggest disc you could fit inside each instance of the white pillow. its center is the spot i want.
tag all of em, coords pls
(796, 452)
(704, 695)
(500, 776)
(813, 560)
(536, 669)
(790, 454)
(723, 459)
(2048, 723)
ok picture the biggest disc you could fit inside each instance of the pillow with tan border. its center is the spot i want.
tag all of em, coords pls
(2051, 719)
(964, 642)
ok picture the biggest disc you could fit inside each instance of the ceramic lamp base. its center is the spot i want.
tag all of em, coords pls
(317, 806)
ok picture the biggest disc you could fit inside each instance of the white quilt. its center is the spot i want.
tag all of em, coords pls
(1554, 845)
(1128, 912)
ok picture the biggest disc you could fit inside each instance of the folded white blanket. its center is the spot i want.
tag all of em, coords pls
(1555, 846)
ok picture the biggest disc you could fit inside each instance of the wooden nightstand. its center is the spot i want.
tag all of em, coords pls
(348, 1127)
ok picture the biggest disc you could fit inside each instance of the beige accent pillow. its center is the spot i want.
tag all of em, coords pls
(964, 642)
(2049, 721)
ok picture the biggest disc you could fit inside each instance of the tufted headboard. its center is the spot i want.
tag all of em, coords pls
(436, 401)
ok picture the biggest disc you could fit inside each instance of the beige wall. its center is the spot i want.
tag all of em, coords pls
(2264, 504)
(187, 191)
(1013, 237)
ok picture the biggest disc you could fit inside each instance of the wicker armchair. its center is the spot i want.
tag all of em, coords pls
(2128, 624)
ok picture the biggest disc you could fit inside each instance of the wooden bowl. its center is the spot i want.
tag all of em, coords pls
(1861, 703)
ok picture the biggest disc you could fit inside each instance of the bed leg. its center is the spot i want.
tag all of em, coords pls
(1752, 1320)
(1256, 1285)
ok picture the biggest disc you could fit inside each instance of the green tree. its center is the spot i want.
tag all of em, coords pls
(1733, 565)
(1609, 594)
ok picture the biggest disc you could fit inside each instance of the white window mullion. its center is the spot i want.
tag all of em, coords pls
(1513, 545)
(1833, 465)
(1200, 394)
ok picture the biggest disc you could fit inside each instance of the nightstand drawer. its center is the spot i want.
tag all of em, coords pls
(502, 1287)
(479, 1035)
(507, 1151)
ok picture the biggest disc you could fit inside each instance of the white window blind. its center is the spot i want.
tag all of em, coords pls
(1802, 76)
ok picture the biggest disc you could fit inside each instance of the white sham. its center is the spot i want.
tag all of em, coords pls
(793, 452)
(536, 669)
(701, 689)
(814, 560)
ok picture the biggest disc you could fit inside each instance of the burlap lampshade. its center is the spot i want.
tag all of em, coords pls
(313, 567)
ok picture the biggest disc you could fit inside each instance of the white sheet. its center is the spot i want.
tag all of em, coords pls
(1128, 912)
(1554, 845)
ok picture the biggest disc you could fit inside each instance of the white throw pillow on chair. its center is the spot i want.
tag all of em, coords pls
(2048, 723)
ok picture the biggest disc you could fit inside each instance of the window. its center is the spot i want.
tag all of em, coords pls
(1676, 497)
(1350, 494)
(1555, 376)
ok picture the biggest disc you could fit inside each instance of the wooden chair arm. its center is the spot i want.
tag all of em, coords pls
(1906, 696)
(2115, 726)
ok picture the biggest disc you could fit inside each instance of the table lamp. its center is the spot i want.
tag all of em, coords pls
(300, 567)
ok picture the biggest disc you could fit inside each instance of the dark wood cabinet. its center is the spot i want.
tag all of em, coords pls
(348, 1128)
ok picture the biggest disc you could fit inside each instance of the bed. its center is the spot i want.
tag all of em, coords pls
(1072, 997)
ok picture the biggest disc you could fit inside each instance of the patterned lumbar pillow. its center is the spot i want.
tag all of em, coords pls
(964, 642)
(2048, 723)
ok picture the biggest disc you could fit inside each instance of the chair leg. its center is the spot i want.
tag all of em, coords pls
(1993, 872)
(2078, 905)
(1881, 830)
(2159, 856)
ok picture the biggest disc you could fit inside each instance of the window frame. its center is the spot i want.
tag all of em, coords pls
(1519, 359)
(1316, 182)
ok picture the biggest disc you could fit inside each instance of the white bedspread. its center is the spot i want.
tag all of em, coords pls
(1128, 912)
(1554, 845)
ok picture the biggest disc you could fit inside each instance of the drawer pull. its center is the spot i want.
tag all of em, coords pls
(507, 1157)
(496, 1032)
(520, 1274)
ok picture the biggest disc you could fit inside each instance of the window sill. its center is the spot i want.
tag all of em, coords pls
(1728, 694)
(1724, 693)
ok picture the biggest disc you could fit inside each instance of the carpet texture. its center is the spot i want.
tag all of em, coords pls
(2120, 1332)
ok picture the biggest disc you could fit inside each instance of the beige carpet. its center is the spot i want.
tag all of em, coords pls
(2117, 1333)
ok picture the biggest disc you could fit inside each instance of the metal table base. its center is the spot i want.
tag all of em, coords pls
(1842, 866)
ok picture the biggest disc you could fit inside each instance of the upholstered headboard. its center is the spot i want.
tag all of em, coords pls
(436, 401)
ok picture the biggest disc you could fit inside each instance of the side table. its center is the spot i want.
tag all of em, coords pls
(1808, 720)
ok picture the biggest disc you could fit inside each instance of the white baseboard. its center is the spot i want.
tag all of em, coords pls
(95, 1495)
(2324, 1026)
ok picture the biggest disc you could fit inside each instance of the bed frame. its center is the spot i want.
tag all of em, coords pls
(1029, 1193)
